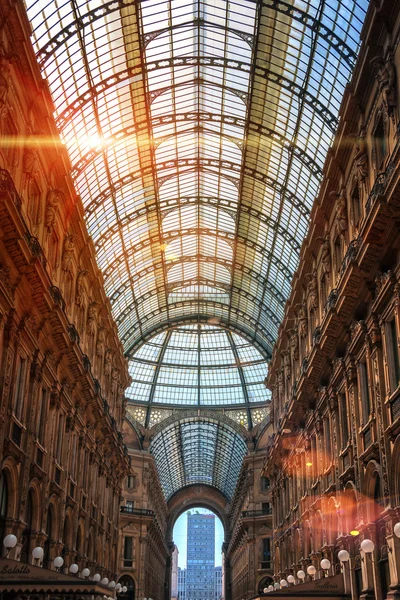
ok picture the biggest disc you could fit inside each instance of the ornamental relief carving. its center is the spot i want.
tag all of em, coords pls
(386, 78)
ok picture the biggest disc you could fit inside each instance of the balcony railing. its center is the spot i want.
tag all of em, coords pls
(130, 510)
(262, 512)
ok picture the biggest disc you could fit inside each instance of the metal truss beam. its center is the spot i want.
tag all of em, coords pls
(242, 379)
(262, 218)
(203, 117)
(156, 373)
(175, 234)
(307, 20)
(198, 22)
(162, 325)
(279, 297)
(242, 316)
(156, 291)
(218, 62)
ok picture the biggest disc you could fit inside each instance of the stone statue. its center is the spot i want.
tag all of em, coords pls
(294, 345)
(108, 361)
(91, 318)
(3, 87)
(341, 212)
(30, 160)
(326, 255)
(361, 158)
(386, 78)
(101, 341)
(54, 197)
(68, 251)
(281, 387)
(302, 320)
(80, 288)
(312, 291)
(286, 364)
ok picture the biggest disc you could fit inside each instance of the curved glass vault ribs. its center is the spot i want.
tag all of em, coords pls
(198, 365)
(198, 451)
(197, 132)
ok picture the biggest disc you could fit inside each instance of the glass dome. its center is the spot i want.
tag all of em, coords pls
(198, 364)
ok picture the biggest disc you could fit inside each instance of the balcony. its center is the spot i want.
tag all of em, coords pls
(141, 512)
(252, 514)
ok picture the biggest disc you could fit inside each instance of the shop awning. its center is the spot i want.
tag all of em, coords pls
(327, 587)
(18, 577)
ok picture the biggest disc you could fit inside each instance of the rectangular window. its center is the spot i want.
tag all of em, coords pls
(392, 351)
(328, 442)
(59, 438)
(128, 551)
(19, 391)
(265, 484)
(266, 508)
(41, 417)
(72, 468)
(344, 420)
(266, 553)
(364, 391)
(131, 481)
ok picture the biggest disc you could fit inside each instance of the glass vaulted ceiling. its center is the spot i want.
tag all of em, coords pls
(197, 132)
(198, 366)
(198, 451)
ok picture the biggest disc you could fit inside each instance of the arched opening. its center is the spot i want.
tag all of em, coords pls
(197, 562)
(350, 510)
(127, 582)
(3, 504)
(264, 583)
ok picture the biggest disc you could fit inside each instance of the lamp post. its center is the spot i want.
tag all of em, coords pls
(38, 554)
(58, 562)
(9, 542)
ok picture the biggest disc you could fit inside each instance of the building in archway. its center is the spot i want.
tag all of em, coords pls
(174, 230)
(200, 576)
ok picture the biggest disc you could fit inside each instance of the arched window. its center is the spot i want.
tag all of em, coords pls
(130, 585)
(66, 539)
(26, 534)
(3, 504)
(79, 541)
(49, 532)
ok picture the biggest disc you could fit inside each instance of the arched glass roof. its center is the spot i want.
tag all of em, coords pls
(198, 365)
(194, 451)
(197, 132)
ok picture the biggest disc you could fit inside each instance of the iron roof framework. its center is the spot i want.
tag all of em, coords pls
(197, 132)
(194, 451)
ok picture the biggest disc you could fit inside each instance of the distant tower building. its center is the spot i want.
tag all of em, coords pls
(174, 574)
(200, 557)
(217, 583)
(182, 583)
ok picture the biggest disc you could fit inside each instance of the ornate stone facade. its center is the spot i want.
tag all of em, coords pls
(61, 412)
(248, 553)
(334, 457)
(144, 554)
